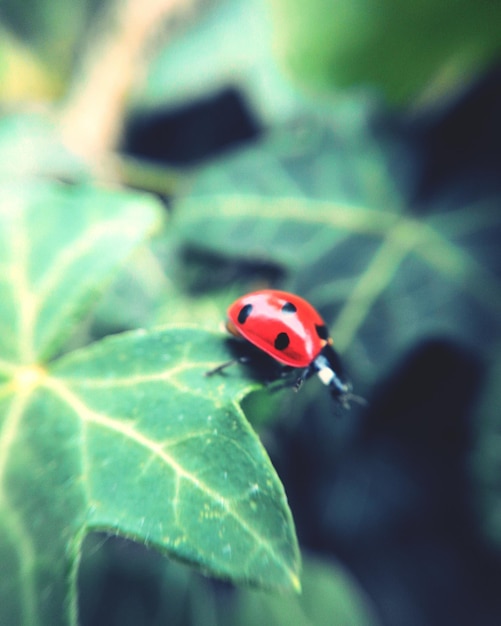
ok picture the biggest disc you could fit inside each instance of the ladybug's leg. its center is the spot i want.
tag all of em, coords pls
(296, 383)
(276, 378)
(305, 374)
(223, 366)
(285, 371)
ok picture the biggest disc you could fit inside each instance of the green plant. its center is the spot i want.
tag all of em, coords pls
(88, 437)
(110, 304)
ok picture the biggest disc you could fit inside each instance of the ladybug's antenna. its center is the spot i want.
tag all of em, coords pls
(348, 397)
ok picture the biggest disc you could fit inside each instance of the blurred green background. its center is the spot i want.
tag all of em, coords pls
(346, 151)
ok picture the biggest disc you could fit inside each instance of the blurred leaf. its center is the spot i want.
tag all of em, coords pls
(134, 298)
(329, 598)
(21, 72)
(179, 596)
(30, 146)
(382, 278)
(53, 264)
(332, 597)
(400, 49)
(487, 456)
(123, 582)
(49, 31)
(150, 290)
(229, 45)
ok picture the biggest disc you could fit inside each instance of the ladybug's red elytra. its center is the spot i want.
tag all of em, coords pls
(289, 329)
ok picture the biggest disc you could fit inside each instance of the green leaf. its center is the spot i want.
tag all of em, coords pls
(129, 436)
(21, 70)
(31, 145)
(51, 31)
(329, 598)
(126, 435)
(486, 458)
(382, 277)
(401, 49)
(58, 247)
(230, 43)
(151, 417)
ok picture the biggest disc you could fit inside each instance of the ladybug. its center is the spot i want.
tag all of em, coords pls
(292, 332)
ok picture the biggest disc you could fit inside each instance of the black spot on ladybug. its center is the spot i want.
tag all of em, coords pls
(244, 313)
(288, 307)
(282, 341)
(322, 331)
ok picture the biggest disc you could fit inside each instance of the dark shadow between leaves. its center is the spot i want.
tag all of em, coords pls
(398, 507)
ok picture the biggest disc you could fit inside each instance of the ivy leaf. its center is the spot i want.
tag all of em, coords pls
(330, 597)
(170, 425)
(126, 435)
(336, 45)
(214, 53)
(382, 277)
(47, 32)
(58, 247)
(487, 456)
(31, 146)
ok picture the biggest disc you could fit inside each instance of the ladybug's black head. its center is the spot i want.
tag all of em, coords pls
(330, 370)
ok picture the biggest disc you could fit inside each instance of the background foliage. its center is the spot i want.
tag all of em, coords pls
(158, 159)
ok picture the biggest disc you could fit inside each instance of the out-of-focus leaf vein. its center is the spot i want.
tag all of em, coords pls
(404, 237)
(13, 526)
(318, 246)
(372, 282)
(47, 286)
(70, 255)
(457, 265)
(10, 429)
(355, 219)
(12, 522)
(8, 368)
(19, 284)
(74, 252)
(407, 233)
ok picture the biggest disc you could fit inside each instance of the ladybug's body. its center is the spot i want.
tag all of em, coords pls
(290, 330)
(281, 324)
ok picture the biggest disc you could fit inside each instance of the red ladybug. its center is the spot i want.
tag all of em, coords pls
(290, 330)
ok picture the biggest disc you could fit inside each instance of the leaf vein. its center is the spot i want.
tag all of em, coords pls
(129, 432)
